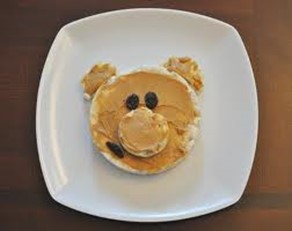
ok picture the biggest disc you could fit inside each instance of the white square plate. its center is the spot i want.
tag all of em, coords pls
(215, 173)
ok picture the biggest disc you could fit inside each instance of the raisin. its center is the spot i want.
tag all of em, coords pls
(116, 149)
(132, 101)
(151, 100)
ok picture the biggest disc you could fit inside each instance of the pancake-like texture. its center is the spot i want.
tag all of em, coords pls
(188, 69)
(98, 74)
(152, 135)
(177, 103)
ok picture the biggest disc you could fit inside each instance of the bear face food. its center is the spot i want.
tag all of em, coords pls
(149, 117)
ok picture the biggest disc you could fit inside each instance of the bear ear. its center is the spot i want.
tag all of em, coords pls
(97, 75)
(188, 69)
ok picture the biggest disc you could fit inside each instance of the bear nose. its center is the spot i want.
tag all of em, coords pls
(143, 133)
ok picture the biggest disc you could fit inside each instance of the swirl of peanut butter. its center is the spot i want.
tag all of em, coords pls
(143, 133)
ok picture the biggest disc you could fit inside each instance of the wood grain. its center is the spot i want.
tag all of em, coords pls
(27, 30)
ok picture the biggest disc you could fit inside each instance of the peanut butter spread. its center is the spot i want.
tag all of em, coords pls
(165, 145)
(152, 136)
(96, 76)
(188, 69)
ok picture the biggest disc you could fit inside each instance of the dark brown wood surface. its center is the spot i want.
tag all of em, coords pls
(27, 29)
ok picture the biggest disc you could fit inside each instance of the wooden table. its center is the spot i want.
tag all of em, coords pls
(27, 29)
